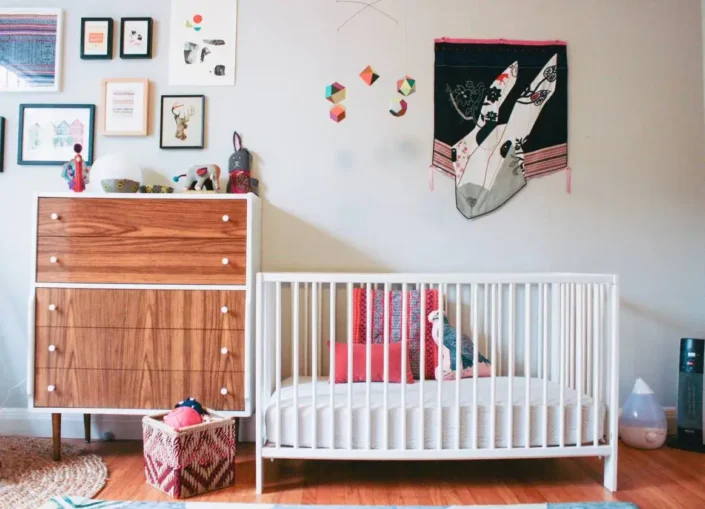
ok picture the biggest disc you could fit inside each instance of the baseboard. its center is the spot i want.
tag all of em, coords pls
(20, 421)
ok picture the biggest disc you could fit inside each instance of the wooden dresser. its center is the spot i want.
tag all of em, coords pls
(139, 301)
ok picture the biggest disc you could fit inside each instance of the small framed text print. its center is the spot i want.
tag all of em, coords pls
(125, 107)
(96, 38)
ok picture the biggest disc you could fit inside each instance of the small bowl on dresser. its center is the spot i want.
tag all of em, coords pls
(120, 186)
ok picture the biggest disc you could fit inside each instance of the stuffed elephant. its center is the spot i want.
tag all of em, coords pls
(197, 178)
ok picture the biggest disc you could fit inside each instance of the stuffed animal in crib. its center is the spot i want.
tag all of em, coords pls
(201, 177)
(446, 340)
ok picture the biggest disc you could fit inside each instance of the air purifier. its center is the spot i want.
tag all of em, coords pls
(690, 409)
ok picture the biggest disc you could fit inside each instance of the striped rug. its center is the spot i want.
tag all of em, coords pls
(72, 503)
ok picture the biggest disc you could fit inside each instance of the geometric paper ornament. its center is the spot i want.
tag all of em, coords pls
(398, 107)
(335, 93)
(406, 86)
(337, 113)
(369, 75)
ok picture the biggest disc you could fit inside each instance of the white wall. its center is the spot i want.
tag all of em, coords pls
(355, 196)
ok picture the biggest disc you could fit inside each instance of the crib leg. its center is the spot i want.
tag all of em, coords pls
(259, 473)
(610, 481)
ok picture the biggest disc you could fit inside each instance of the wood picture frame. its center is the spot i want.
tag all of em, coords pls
(185, 109)
(125, 104)
(48, 133)
(32, 61)
(94, 33)
(138, 42)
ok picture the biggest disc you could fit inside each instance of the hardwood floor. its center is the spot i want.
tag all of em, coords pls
(661, 479)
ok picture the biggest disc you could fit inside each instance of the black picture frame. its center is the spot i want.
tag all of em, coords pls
(150, 28)
(2, 144)
(87, 147)
(202, 143)
(109, 54)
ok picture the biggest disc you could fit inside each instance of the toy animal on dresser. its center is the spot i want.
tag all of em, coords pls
(239, 168)
(201, 177)
(447, 341)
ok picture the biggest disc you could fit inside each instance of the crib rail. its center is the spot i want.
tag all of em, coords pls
(542, 333)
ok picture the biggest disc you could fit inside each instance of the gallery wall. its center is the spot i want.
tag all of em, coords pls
(354, 196)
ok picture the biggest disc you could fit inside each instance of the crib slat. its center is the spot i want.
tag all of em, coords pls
(332, 340)
(571, 337)
(422, 369)
(368, 366)
(458, 362)
(600, 340)
(386, 367)
(278, 367)
(589, 341)
(485, 324)
(512, 362)
(500, 327)
(404, 333)
(295, 359)
(493, 371)
(564, 326)
(595, 319)
(475, 363)
(350, 364)
(314, 364)
(306, 329)
(579, 361)
(545, 365)
(439, 370)
(527, 365)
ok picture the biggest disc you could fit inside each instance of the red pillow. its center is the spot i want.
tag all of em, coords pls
(376, 364)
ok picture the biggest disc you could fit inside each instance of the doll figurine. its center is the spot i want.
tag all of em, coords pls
(75, 172)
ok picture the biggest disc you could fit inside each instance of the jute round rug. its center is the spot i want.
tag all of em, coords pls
(29, 477)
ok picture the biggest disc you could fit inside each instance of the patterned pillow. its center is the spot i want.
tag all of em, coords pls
(395, 324)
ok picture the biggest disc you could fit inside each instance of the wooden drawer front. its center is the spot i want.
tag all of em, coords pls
(95, 388)
(146, 218)
(140, 260)
(140, 309)
(140, 349)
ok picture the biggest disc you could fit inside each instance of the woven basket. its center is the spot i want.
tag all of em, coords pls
(191, 461)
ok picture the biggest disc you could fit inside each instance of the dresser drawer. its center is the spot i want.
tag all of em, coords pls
(140, 309)
(153, 390)
(145, 218)
(137, 349)
(141, 260)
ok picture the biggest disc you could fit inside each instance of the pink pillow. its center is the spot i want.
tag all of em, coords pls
(376, 364)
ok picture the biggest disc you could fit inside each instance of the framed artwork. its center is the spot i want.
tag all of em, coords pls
(48, 132)
(182, 123)
(136, 38)
(202, 44)
(125, 107)
(96, 38)
(30, 50)
(2, 144)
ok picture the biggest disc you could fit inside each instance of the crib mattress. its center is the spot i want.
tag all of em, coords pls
(304, 415)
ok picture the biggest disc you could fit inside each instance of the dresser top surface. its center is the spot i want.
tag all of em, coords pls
(151, 196)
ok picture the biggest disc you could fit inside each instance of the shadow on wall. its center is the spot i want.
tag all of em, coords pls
(291, 244)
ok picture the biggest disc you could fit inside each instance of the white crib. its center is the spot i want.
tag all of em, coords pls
(553, 344)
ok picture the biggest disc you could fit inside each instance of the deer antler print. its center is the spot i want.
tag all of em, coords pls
(182, 118)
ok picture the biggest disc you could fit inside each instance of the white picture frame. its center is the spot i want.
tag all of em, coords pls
(203, 43)
(125, 105)
(12, 78)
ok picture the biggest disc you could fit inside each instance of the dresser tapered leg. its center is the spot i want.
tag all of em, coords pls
(87, 427)
(56, 436)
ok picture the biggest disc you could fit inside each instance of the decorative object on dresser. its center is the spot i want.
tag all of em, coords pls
(31, 49)
(136, 37)
(239, 168)
(140, 300)
(125, 107)
(48, 133)
(201, 177)
(75, 172)
(182, 122)
(115, 167)
(96, 38)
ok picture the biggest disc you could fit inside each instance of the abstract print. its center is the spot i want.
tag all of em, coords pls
(501, 117)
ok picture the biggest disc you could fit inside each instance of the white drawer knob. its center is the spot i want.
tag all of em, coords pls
(224, 351)
(225, 261)
(52, 307)
(55, 216)
(53, 259)
(226, 218)
(52, 348)
(224, 309)
(223, 391)
(51, 388)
